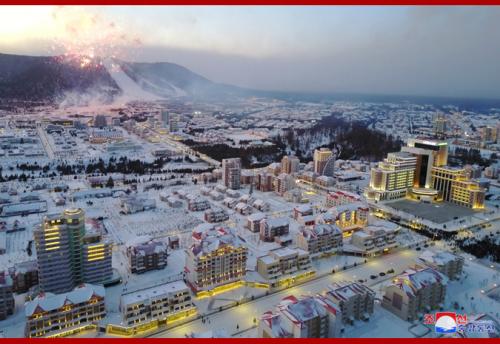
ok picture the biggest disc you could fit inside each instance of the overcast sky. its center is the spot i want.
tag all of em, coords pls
(437, 51)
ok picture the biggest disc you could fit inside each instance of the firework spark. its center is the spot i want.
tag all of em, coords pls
(86, 38)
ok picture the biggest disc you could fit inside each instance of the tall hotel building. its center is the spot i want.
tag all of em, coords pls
(324, 162)
(231, 173)
(68, 257)
(420, 172)
(393, 176)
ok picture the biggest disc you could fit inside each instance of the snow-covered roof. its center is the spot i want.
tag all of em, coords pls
(438, 258)
(277, 222)
(46, 302)
(256, 216)
(153, 292)
(413, 280)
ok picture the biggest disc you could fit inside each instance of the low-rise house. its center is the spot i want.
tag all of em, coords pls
(243, 208)
(198, 204)
(216, 215)
(132, 205)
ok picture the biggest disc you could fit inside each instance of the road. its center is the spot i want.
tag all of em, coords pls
(243, 314)
(185, 148)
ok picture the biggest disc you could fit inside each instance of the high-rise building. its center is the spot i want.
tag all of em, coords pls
(283, 183)
(165, 117)
(440, 125)
(420, 172)
(304, 317)
(67, 256)
(231, 173)
(290, 164)
(324, 162)
(429, 154)
(489, 134)
(392, 178)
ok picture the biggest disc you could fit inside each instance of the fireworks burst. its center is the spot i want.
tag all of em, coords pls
(86, 38)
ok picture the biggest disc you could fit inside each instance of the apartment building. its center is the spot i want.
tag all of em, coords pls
(273, 227)
(283, 183)
(147, 256)
(57, 315)
(350, 217)
(214, 261)
(253, 222)
(304, 317)
(375, 239)
(445, 262)
(96, 258)
(7, 303)
(283, 263)
(355, 300)
(320, 239)
(414, 292)
(163, 303)
(290, 164)
(24, 275)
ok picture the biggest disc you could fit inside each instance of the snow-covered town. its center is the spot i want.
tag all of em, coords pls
(249, 172)
(123, 220)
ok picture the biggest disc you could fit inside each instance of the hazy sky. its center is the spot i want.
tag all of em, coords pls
(444, 51)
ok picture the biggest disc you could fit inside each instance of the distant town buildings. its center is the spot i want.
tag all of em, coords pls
(290, 164)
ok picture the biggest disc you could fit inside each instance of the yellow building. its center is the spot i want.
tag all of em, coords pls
(392, 177)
